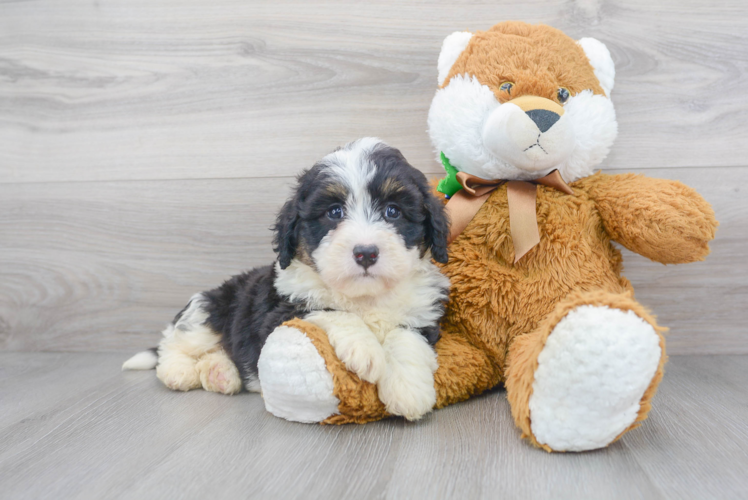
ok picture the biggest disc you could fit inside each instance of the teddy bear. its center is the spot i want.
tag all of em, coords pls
(521, 118)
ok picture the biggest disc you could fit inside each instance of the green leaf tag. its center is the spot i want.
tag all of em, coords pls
(448, 185)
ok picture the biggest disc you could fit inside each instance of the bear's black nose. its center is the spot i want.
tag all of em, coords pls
(366, 255)
(543, 118)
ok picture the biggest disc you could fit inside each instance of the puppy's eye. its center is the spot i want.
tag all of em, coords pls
(563, 95)
(335, 212)
(392, 212)
(507, 87)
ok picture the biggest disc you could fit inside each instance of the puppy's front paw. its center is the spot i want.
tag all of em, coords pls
(409, 396)
(362, 355)
(354, 343)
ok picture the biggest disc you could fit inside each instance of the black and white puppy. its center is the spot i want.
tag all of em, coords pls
(355, 245)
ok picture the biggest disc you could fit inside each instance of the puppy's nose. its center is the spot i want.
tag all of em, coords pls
(366, 255)
(543, 118)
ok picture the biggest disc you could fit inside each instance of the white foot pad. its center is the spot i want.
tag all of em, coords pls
(294, 379)
(591, 376)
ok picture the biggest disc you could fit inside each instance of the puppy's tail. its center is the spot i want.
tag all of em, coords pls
(145, 360)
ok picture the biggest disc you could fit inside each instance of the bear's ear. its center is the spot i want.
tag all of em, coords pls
(602, 63)
(452, 47)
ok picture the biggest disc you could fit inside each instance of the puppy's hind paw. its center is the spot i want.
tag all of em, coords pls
(178, 376)
(219, 374)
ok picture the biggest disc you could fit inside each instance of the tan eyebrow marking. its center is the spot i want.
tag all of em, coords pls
(391, 186)
(336, 189)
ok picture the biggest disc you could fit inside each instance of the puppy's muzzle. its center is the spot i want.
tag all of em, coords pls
(366, 255)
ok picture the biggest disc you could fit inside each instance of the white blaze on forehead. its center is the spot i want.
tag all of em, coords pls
(352, 167)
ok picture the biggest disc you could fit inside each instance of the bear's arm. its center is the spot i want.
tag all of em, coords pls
(663, 220)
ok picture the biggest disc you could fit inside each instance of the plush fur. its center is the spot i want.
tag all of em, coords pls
(580, 358)
(355, 245)
(480, 129)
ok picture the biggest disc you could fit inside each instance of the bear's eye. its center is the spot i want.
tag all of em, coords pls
(563, 95)
(506, 87)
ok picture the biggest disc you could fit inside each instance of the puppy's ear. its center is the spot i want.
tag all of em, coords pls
(286, 229)
(285, 237)
(436, 223)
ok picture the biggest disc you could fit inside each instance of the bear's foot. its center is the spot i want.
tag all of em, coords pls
(295, 382)
(591, 376)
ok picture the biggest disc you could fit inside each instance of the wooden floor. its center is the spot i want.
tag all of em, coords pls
(73, 426)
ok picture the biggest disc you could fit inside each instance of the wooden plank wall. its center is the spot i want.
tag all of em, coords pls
(146, 145)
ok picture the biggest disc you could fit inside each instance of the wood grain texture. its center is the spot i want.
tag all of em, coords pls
(43, 373)
(145, 146)
(700, 416)
(127, 436)
(177, 89)
(103, 266)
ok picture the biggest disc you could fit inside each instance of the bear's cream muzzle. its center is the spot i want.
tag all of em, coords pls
(530, 133)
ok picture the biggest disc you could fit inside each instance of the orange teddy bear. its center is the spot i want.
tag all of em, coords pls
(521, 118)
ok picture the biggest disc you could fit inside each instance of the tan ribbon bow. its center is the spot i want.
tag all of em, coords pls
(521, 197)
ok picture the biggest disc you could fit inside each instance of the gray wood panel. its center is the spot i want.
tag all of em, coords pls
(103, 266)
(30, 384)
(700, 415)
(192, 89)
(127, 436)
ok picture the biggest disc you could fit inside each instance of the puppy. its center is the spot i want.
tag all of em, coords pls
(355, 245)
